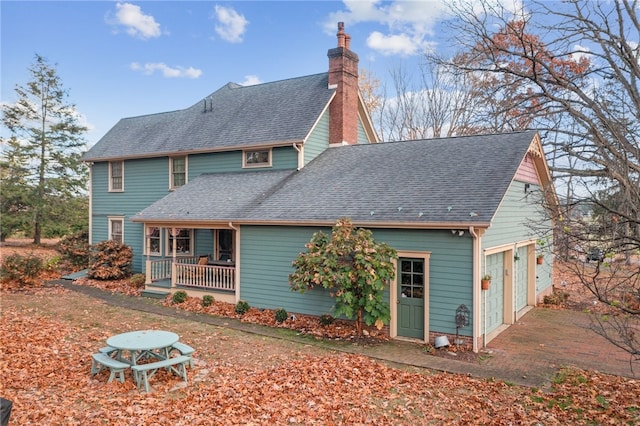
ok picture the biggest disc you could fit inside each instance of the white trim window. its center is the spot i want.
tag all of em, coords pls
(177, 172)
(184, 241)
(152, 243)
(116, 228)
(256, 158)
(116, 176)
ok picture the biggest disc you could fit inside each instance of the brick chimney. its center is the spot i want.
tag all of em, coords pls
(343, 73)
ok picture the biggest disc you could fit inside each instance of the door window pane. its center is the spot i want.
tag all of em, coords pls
(412, 278)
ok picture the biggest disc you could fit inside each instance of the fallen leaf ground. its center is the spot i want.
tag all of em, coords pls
(47, 337)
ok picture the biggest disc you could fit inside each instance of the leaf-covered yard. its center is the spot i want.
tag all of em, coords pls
(47, 340)
(47, 336)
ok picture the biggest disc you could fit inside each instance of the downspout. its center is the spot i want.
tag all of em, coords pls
(91, 204)
(300, 156)
(514, 283)
(476, 288)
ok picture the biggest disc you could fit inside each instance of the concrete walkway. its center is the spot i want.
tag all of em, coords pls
(528, 353)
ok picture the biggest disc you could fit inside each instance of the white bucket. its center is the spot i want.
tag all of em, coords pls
(442, 341)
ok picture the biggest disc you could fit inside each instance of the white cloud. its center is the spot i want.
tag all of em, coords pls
(250, 80)
(397, 44)
(231, 25)
(407, 24)
(167, 71)
(580, 52)
(136, 23)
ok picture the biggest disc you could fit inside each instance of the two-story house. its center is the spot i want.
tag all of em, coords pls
(246, 175)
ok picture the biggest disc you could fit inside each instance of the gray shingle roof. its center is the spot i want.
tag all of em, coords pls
(236, 116)
(216, 196)
(449, 180)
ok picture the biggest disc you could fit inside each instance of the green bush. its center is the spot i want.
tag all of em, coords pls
(52, 263)
(326, 319)
(179, 297)
(75, 249)
(24, 269)
(242, 307)
(207, 300)
(281, 315)
(137, 280)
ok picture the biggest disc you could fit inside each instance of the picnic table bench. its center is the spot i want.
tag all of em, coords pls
(184, 349)
(101, 360)
(143, 372)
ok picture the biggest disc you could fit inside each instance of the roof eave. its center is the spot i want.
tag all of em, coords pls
(268, 144)
(311, 222)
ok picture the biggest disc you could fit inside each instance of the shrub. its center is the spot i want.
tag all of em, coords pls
(558, 297)
(326, 319)
(207, 300)
(110, 260)
(137, 280)
(75, 249)
(25, 269)
(179, 297)
(242, 307)
(281, 315)
(52, 263)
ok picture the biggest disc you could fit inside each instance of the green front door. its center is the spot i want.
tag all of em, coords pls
(411, 289)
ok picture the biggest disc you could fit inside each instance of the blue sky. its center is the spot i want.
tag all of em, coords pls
(121, 59)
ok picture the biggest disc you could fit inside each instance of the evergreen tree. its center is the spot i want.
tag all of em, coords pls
(41, 157)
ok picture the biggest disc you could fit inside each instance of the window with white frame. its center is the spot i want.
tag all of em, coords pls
(178, 171)
(257, 158)
(183, 239)
(152, 245)
(116, 176)
(116, 229)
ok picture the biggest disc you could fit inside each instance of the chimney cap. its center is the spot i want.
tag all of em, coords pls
(341, 35)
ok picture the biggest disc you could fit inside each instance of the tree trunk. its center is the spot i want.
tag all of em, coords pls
(359, 323)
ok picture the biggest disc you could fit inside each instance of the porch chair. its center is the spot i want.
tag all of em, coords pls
(203, 260)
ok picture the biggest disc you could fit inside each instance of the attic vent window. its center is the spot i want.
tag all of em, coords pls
(258, 158)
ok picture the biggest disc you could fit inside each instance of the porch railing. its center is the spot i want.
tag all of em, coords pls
(161, 269)
(205, 277)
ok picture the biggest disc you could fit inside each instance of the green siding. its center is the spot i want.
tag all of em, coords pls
(318, 141)
(285, 157)
(450, 273)
(362, 135)
(268, 252)
(145, 181)
(217, 162)
(517, 219)
(203, 243)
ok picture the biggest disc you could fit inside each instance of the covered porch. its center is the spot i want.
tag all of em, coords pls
(195, 259)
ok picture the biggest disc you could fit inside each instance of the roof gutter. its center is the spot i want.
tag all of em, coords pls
(328, 223)
(157, 154)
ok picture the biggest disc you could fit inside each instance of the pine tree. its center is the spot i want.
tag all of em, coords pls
(41, 158)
